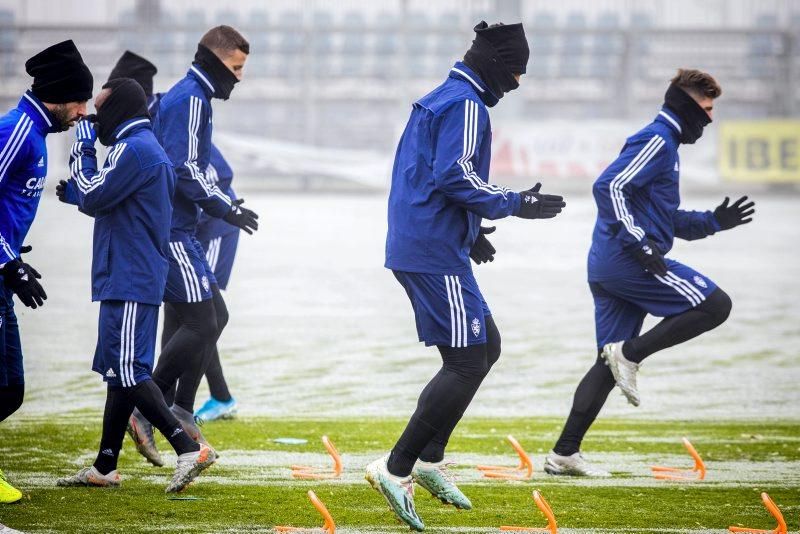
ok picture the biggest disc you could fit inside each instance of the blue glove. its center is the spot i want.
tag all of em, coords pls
(85, 131)
(65, 191)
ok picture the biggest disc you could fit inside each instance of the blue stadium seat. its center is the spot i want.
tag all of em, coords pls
(291, 45)
(258, 62)
(450, 43)
(354, 44)
(322, 43)
(8, 43)
(573, 46)
(763, 46)
(227, 16)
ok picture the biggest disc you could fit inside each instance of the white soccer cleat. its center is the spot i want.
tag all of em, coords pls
(8, 530)
(398, 492)
(624, 371)
(441, 483)
(90, 476)
(190, 465)
(574, 465)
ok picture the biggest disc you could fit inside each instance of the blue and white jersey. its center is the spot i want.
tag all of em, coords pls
(440, 188)
(221, 173)
(183, 126)
(637, 198)
(23, 168)
(130, 200)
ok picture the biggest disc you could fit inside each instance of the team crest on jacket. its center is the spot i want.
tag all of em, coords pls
(700, 282)
(205, 283)
(476, 327)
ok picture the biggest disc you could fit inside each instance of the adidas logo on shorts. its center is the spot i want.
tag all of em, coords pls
(110, 373)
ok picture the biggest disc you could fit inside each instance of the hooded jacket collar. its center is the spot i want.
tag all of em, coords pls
(461, 72)
(39, 114)
(130, 126)
(203, 79)
(669, 118)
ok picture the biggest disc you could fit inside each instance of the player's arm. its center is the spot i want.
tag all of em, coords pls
(639, 163)
(93, 189)
(14, 151)
(185, 125)
(459, 131)
(691, 225)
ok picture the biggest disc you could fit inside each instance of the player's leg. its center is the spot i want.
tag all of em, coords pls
(191, 377)
(614, 319)
(12, 382)
(449, 314)
(690, 303)
(220, 253)
(712, 308)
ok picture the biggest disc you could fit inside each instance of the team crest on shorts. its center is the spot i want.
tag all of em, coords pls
(700, 282)
(476, 327)
(204, 281)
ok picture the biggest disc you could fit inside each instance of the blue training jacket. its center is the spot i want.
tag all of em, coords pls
(221, 174)
(440, 188)
(183, 126)
(637, 198)
(23, 168)
(130, 200)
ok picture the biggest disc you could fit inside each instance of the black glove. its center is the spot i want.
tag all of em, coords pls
(735, 214)
(649, 257)
(22, 279)
(242, 217)
(482, 250)
(61, 190)
(534, 205)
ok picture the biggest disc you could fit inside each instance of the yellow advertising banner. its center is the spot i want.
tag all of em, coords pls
(760, 151)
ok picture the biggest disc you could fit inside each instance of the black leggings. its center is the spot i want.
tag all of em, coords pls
(186, 354)
(443, 402)
(10, 399)
(597, 384)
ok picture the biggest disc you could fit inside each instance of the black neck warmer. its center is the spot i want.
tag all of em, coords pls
(693, 118)
(126, 102)
(497, 53)
(222, 78)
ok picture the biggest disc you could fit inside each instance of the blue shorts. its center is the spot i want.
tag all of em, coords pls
(190, 277)
(449, 309)
(11, 370)
(126, 342)
(220, 252)
(620, 305)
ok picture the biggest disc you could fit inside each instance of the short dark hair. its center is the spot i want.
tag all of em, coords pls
(224, 40)
(697, 82)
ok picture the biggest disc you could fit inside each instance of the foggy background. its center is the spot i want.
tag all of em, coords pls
(318, 326)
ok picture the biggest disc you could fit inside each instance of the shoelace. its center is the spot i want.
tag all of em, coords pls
(446, 473)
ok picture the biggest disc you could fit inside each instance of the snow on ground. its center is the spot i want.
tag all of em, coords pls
(319, 328)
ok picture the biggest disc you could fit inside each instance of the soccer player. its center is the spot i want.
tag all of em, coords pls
(130, 200)
(638, 218)
(62, 83)
(183, 127)
(218, 239)
(439, 194)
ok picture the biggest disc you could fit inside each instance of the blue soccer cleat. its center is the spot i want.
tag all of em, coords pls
(214, 409)
(398, 492)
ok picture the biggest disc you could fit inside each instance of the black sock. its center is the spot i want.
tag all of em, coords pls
(192, 375)
(445, 397)
(216, 380)
(10, 399)
(115, 420)
(434, 450)
(706, 316)
(148, 399)
(589, 399)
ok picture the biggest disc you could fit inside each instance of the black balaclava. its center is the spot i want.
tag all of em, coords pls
(134, 66)
(126, 102)
(223, 79)
(497, 53)
(60, 75)
(693, 117)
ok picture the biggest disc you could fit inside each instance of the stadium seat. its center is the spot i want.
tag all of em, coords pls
(8, 43)
(573, 46)
(353, 44)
